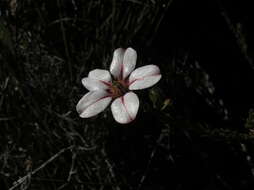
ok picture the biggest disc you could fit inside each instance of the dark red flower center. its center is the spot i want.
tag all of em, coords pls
(118, 88)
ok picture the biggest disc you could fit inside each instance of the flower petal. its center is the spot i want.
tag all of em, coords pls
(97, 79)
(93, 103)
(100, 74)
(125, 108)
(117, 63)
(94, 84)
(129, 62)
(144, 77)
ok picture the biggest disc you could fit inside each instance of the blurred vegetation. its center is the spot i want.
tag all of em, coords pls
(181, 139)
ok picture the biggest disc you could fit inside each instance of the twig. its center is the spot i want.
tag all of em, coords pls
(156, 27)
(65, 39)
(72, 169)
(6, 118)
(248, 158)
(239, 36)
(28, 176)
(110, 168)
(158, 142)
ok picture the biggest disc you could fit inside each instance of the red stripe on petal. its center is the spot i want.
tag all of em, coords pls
(142, 78)
(121, 72)
(106, 83)
(123, 102)
(96, 101)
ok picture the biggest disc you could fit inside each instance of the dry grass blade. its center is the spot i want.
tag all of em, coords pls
(25, 181)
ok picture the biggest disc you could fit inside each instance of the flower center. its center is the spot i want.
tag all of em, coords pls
(118, 88)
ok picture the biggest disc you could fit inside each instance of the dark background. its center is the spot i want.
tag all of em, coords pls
(194, 129)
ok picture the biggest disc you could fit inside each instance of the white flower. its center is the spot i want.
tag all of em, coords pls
(102, 89)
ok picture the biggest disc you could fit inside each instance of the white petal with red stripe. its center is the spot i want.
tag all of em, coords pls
(129, 62)
(93, 103)
(94, 84)
(117, 63)
(100, 74)
(144, 77)
(125, 108)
